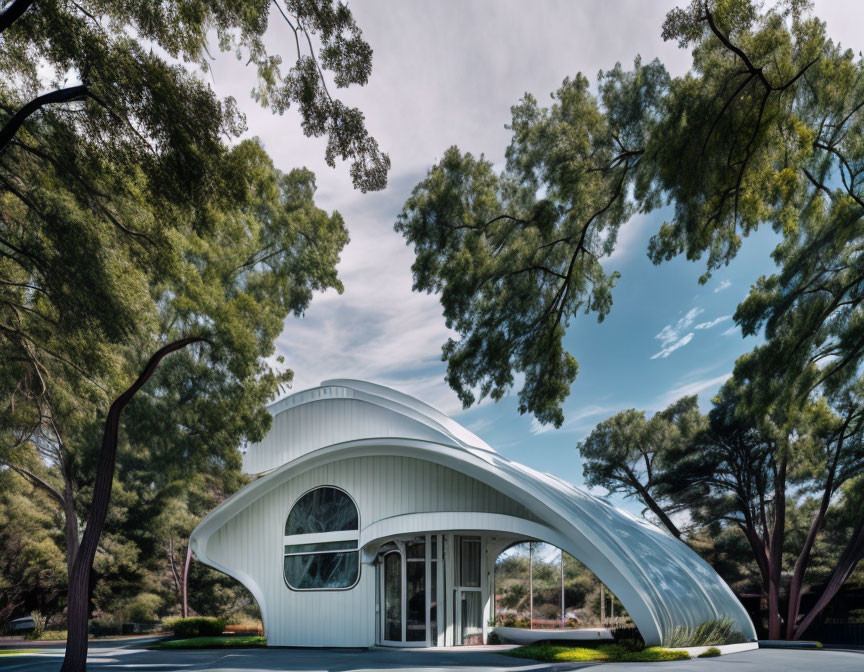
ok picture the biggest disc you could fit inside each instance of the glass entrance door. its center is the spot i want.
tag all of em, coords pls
(393, 597)
(408, 594)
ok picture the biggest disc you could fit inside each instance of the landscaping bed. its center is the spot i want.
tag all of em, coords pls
(221, 642)
(599, 653)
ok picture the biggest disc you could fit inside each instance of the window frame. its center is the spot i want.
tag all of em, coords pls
(321, 538)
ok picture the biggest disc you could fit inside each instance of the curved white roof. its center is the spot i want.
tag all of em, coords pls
(660, 580)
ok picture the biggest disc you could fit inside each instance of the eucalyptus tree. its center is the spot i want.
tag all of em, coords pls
(129, 230)
(782, 480)
(765, 128)
(625, 454)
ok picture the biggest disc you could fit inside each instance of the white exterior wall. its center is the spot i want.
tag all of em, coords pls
(252, 542)
(396, 456)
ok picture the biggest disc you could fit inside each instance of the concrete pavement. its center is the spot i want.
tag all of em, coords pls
(122, 656)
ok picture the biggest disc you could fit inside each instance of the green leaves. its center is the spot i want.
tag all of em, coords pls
(765, 128)
(515, 256)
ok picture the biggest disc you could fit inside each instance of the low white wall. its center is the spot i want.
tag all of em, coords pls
(527, 635)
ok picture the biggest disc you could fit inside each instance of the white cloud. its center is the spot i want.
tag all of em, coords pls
(690, 388)
(539, 428)
(712, 323)
(724, 284)
(669, 334)
(731, 330)
(572, 419)
(671, 337)
(672, 347)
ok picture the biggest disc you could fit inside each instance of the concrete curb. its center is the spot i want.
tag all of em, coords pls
(725, 649)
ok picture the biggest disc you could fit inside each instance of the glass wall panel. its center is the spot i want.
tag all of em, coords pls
(433, 608)
(415, 617)
(416, 549)
(472, 618)
(393, 597)
(469, 562)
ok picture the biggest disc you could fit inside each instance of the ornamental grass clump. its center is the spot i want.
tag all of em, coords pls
(713, 652)
(714, 632)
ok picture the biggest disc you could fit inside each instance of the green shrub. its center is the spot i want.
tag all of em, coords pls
(713, 652)
(510, 621)
(211, 643)
(709, 633)
(105, 627)
(38, 625)
(142, 608)
(198, 626)
(493, 638)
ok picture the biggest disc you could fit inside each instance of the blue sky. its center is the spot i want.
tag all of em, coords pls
(446, 73)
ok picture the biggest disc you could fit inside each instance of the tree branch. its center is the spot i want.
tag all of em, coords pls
(37, 481)
(13, 12)
(67, 95)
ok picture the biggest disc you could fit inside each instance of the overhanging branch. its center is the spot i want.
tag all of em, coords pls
(13, 12)
(66, 95)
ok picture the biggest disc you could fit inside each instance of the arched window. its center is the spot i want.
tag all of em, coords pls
(321, 541)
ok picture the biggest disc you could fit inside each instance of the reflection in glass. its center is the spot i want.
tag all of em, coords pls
(322, 510)
(320, 547)
(433, 608)
(393, 597)
(324, 570)
(415, 620)
(471, 630)
(469, 565)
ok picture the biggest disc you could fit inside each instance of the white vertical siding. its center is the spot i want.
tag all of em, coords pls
(305, 427)
(382, 486)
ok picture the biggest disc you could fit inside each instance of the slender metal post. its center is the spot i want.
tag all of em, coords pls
(562, 587)
(602, 604)
(531, 584)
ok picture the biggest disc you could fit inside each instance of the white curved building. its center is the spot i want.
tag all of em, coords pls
(378, 519)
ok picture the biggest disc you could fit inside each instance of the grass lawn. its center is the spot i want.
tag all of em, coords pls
(9, 652)
(231, 641)
(602, 653)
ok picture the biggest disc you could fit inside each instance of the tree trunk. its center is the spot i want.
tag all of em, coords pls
(658, 511)
(775, 553)
(186, 580)
(75, 659)
(175, 575)
(852, 555)
(795, 586)
(70, 529)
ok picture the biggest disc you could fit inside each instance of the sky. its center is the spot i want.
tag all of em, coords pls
(446, 73)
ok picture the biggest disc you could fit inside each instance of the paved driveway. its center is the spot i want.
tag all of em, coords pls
(121, 656)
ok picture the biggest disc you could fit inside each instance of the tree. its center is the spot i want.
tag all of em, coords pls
(32, 573)
(775, 478)
(765, 128)
(625, 453)
(128, 226)
(267, 249)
